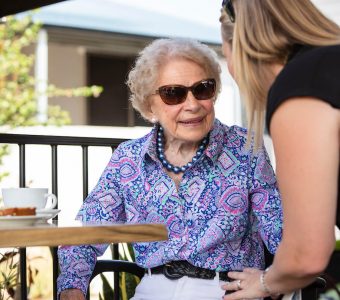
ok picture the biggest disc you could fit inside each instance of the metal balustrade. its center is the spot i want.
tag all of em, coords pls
(22, 140)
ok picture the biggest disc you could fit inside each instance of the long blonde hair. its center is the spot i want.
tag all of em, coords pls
(265, 32)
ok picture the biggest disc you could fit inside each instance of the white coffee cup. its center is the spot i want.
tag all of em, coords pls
(28, 197)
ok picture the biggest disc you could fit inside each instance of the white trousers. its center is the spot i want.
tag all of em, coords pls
(158, 287)
(293, 296)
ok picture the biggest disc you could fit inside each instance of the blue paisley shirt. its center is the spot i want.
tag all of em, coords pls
(226, 203)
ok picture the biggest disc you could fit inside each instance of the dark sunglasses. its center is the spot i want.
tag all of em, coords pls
(176, 94)
(227, 5)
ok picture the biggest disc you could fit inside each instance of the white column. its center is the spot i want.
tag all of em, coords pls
(41, 75)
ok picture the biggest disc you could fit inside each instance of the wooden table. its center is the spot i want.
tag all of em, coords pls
(77, 233)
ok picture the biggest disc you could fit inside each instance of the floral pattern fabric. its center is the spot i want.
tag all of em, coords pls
(226, 204)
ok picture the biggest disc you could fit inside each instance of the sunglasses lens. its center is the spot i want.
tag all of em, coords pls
(176, 94)
(205, 89)
(173, 95)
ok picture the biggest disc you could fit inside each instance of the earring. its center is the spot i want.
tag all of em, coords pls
(154, 120)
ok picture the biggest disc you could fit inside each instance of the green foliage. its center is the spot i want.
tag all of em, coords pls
(127, 281)
(18, 96)
(337, 245)
(8, 274)
(107, 290)
(10, 271)
(3, 151)
(331, 294)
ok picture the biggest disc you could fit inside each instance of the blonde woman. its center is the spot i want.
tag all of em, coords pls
(286, 61)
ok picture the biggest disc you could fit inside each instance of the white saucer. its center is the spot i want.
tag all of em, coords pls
(19, 221)
(50, 213)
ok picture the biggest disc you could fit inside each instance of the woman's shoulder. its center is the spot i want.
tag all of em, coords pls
(237, 130)
(312, 72)
(231, 135)
(313, 58)
(227, 130)
(134, 146)
(310, 65)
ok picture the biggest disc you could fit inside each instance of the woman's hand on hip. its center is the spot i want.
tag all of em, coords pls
(72, 294)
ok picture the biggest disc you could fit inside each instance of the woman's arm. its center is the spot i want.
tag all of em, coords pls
(76, 266)
(104, 203)
(71, 294)
(305, 135)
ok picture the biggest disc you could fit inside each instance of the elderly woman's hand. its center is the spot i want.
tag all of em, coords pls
(72, 294)
(246, 285)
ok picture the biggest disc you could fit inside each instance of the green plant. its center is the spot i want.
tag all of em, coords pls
(127, 281)
(107, 289)
(18, 95)
(4, 150)
(337, 245)
(8, 274)
(332, 294)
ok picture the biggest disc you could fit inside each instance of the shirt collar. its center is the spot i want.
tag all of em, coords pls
(213, 150)
(150, 144)
(215, 145)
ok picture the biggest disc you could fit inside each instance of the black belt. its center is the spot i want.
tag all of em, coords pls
(180, 268)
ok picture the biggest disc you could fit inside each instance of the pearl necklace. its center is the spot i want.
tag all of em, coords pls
(170, 167)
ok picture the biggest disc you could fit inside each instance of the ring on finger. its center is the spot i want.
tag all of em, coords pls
(238, 284)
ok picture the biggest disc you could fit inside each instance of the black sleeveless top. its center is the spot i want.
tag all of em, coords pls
(310, 71)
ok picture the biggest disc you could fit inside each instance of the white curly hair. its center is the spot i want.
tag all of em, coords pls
(143, 76)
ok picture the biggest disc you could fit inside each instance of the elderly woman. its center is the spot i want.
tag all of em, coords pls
(202, 179)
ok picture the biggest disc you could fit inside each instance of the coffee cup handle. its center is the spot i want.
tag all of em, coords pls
(54, 201)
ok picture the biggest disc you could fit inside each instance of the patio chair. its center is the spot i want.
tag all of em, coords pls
(116, 266)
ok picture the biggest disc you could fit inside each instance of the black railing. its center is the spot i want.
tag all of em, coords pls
(54, 141)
